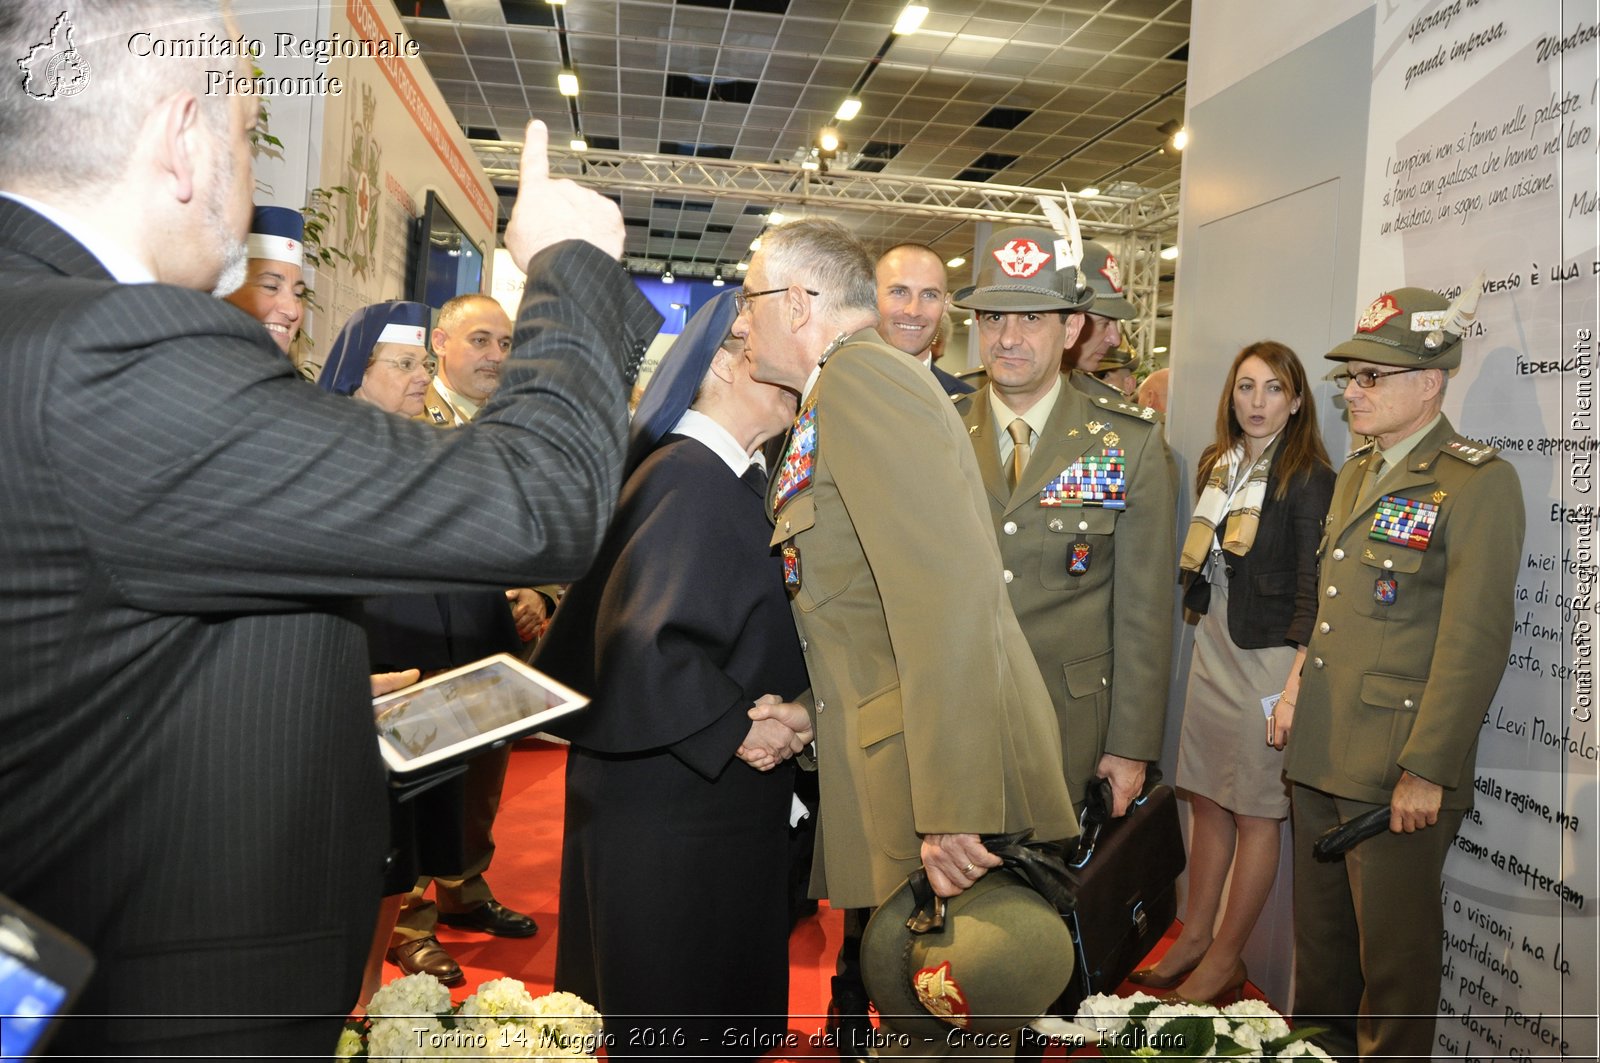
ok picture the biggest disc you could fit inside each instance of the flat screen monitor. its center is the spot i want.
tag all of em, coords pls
(445, 262)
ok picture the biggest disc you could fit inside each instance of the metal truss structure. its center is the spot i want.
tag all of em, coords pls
(1131, 220)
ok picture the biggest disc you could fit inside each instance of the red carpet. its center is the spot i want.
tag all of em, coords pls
(526, 877)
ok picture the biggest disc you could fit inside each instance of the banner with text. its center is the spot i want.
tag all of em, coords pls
(1482, 156)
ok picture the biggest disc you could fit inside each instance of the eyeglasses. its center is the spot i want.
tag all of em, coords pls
(742, 299)
(409, 365)
(1366, 378)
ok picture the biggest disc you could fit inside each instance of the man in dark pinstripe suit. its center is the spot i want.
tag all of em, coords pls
(185, 731)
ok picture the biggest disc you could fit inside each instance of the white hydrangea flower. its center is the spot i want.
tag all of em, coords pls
(1242, 1034)
(1167, 1012)
(502, 998)
(415, 994)
(349, 1043)
(1107, 1015)
(1302, 1050)
(399, 1038)
(1258, 1015)
(569, 1018)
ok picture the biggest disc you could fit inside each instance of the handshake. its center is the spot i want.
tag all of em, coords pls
(778, 730)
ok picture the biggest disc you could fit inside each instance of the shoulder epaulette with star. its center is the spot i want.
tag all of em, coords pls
(1469, 450)
(1129, 409)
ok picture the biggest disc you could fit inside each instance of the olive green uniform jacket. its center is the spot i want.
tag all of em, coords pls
(1102, 638)
(1410, 641)
(931, 717)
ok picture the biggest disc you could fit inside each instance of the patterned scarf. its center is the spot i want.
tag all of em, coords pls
(1242, 511)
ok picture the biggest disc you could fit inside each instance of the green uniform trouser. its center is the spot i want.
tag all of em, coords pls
(1368, 932)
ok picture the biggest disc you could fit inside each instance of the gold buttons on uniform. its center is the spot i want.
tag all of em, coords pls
(821, 704)
(1338, 555)
(1325, 628)
(1083, 525)
(1007, 576)
(1388, 563)
(1409, 704)
(1316, 662)
(803, 643)
(1009, 527)
(1333, 592)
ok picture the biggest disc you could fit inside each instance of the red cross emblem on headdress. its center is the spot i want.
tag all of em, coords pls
(1112, 272)
(1021, 258)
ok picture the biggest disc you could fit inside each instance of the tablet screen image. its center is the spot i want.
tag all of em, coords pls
(28, 1001)
(467, 709)
(41, 973)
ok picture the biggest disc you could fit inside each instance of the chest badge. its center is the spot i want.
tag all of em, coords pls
(1404, 522)
(794, 472)
(1384, 590)
(791, 565)
(1092, 480)
(1078, 559)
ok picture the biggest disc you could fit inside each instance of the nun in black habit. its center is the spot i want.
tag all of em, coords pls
(673, 917)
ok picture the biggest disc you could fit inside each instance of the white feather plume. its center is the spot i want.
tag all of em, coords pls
(1065, 223)
(1464, 309)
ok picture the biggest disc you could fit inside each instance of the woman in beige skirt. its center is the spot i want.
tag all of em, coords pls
(1250, 561)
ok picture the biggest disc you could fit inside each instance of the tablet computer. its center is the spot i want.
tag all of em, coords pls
(453, 715)
(41, 972)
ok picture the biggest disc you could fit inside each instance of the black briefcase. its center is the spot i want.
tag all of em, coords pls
(1123, 879)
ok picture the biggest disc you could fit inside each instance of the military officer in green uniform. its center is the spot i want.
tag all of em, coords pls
(1418, 567)
(1095, 348)
(932, 724)
(1081, 494)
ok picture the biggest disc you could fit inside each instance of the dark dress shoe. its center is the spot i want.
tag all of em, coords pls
(849, 1026)
(492, 917)
(427, 956)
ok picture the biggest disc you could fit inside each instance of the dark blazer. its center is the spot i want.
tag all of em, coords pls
(187, 719)
(953, 385)
(1272, 589)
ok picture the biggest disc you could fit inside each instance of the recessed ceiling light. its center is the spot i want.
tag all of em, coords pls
(666, 276)
(848, 110)
(579, 144)
(1158, 350)
(957, 261)
(1088, 192)
(1170, 253)
(741, 267)
(910, 19)
(1180, 139)
(717, 281)
(567, 82)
